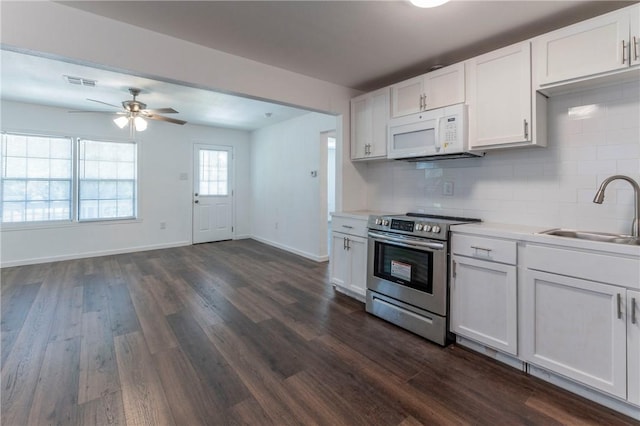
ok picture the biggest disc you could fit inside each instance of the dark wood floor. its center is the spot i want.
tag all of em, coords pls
(238, 333)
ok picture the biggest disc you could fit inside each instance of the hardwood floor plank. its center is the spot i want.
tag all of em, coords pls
(122, 314)
(189, 399)
(249, 412)
(98, 369)
(143, 396)
(108, 410)
(209, 364)
(163, 293)
(155, 328)
(266, 388)
(202, 311)
(22, 366)
(16, 305)
(59, 371)
(68, 319)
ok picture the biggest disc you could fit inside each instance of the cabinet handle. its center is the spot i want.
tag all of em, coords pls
(423, 102)
(526, 129)
(453, 273)
(344, 243)
(635, 48)
(348, 245)
(624, 52)
(619, 297)
(488, 250)
(347, 226)
(633, 310)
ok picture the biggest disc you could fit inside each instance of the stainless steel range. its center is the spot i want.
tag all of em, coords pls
(407, 278)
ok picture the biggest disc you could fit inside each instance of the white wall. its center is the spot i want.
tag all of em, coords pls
(286, 201)
(165, 151)
(55, 29)
(550, 187)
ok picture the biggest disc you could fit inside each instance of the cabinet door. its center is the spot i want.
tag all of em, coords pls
(360, 126)
(444, 87)
(484, 303)
(633, 346)
(406, 97)
(358, 264)
(379, 120)
(340, 268)
(581, 50)
(500, 97)
(575, 327)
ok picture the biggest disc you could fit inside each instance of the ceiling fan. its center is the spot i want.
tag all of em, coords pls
(135, 113)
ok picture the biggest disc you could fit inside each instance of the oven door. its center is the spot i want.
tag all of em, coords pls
(411, 270)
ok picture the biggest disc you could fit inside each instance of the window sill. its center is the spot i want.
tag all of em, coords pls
(10, 227)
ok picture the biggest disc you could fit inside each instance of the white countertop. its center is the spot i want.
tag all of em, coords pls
(531, 234)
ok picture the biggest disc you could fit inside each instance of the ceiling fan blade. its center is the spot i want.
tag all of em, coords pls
(167, 119)
(104, 103)
(93, 112)
(160, 111)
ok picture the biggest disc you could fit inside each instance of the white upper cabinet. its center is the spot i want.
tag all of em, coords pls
(369, 117)
(606, 44)
(501, 100)
(436, 89)
(633, 346)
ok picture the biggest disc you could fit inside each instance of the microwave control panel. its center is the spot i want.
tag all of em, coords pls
(450, 130)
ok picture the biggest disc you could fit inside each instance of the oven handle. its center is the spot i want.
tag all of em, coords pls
(405, 242)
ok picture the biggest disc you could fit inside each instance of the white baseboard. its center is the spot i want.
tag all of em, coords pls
(242, 237)
(72, 256)
(292, 250)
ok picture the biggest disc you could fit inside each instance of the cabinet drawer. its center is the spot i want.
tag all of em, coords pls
(503, 251)
(349, 225)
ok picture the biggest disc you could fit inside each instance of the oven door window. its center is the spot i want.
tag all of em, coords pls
(409, 267)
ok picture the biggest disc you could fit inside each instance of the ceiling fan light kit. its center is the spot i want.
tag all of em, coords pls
(428, 3)
(136, 114)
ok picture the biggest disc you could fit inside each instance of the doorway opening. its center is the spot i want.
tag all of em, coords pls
(328, 140)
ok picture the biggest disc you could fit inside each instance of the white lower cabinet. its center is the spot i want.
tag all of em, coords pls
(576, 328)
(484, 297)
(348, 263)
(484, 303)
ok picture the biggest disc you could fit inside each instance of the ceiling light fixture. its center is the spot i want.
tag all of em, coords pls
(134, 121)
(428, 3)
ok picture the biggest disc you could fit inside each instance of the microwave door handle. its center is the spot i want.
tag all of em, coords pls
(437, 143)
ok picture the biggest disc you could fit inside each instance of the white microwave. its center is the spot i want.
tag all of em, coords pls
(430, 135)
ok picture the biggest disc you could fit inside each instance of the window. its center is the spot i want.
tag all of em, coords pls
(106, 180)
(214, 179)
(48, 178)
(36, 178)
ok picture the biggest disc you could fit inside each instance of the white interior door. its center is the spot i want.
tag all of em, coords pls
(212, 193)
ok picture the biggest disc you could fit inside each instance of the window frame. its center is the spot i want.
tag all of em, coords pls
(74, 221)
(136, 197)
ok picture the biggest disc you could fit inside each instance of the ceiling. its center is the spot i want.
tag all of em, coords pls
(358, 44)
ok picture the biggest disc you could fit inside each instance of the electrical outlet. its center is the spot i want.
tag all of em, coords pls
(163, 225)
(276, 225)
(447, 188)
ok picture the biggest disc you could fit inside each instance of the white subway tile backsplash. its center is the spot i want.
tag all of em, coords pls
(549, 187)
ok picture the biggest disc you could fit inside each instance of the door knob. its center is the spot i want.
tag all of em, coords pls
(196, 194)
(196, 201)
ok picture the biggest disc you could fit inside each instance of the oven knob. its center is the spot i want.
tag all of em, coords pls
(435, 229)
(427, 228)
(378, 221)
(418, 227)
(385, 222)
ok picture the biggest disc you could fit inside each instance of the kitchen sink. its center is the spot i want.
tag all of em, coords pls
(594, 236)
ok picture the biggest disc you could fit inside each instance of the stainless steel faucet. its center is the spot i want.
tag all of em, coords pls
(599, 198)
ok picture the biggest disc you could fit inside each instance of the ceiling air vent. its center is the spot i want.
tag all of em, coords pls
(79, 81)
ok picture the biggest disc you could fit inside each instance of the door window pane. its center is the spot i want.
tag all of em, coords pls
(214, 172)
